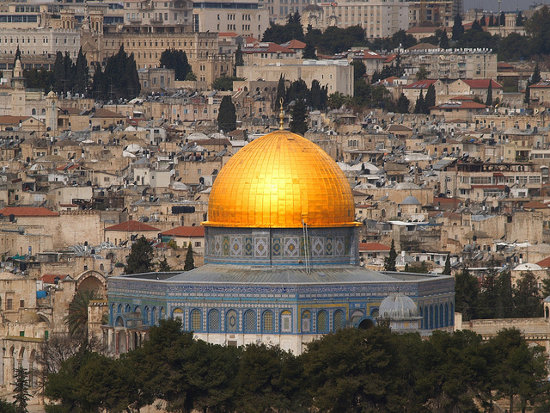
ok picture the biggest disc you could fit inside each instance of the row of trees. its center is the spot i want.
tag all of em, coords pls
(496, 297)
(349, 371)
(512, 47)
(177, 60)
(119, 80)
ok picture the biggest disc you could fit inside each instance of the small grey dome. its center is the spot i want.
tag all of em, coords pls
(397, 307)
(410, 200)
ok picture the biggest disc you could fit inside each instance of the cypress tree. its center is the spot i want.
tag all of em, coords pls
(403, 104)
(429, 101)
(81, 73)
(489, 100)
(309, 52)
(189, 261)
(444, 40)
(447, 269)
(21, 390)
(458, 28)
(315, 100)
(69, 69)
(390, 260)
(239, 61)
(58, 73)
(17, 55)
(535, 77)
(420, 104)
(281, 92)
(298, 124)
(227, 117)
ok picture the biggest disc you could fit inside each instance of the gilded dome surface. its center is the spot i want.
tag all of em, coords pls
(278, 181)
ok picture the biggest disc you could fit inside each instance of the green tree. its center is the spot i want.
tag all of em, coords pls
(422, 73)
(59, 73)
(518, 370)
(227, 116)
(429, 101)
(77, 318)
(21, 390)
(337, 100)
(189, 260)
(359, 69)
(489, 100)
(538, 30)
(281, 93)
(163, 266)
(298, 124)
(420, 105)
(527, 299)
(81, 74)
(177, 60)
(444, 40)
(316, 97)
(7, 407)
(535, 77)
(447, 269)
(140, 258)
(119, 80)
(403, 104)
(389, 261)
(239, 61)
(466, 294)
(458, 28)
(309, 52)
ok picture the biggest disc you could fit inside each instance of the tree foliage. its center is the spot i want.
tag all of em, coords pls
(351, 370)
(189, 260)
(177, 60)
(403, 104)
(298, 123)
(227, 116)
(77, 319)
(389, 261)
(21, 390)
(140, 258)
(119, 80)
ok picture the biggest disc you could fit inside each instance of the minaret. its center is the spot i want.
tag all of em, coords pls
(18, 98)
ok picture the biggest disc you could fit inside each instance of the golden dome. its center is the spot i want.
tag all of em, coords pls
(277, 181)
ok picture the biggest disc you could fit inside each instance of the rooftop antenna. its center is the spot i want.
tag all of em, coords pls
(281, 115)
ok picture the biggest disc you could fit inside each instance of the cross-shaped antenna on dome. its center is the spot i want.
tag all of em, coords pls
(281, 115)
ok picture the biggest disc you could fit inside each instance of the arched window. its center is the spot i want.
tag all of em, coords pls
(322, 322)
(441, 315)
(145, 315)
(119, 309)
(339, 320)
(195, 320)
(153, 316)
(249, 322)
(431, 317)
(162, 313)
(425, 322)
(128, 308)
(306, 321)
(436, 316)
(231, 321)
(268, 322)
(286, 322)
(213, 321)
(177, 314)
(446, 314)
(452, 314)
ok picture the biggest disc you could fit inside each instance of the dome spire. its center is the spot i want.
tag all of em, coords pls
(281, 115)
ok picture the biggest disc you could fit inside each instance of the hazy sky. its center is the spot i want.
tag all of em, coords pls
(506, 4)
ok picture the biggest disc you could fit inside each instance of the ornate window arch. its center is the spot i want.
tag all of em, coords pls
(214, 322)
(195, 320)
(231, 321)
(268, 322)
(322, 322)
(250, 324)
(339, 320)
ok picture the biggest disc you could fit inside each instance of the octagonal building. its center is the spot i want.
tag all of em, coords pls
(281, 261)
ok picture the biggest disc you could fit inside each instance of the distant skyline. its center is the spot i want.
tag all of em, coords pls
(507, 5)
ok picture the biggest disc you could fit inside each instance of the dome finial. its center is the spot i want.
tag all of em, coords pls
(281, 115)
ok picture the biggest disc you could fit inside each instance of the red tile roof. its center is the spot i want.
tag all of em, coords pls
(185, 232)
(28, 212)
(421, 84)
(12, 120)
(50, 278)
(294, 44)
(106, 113)
(535, 205)
(369, 54)
(373, 246)
(465, 104)
(131, 226)
(541, 84)
(227, 34)
(482, 83)
(545, 263)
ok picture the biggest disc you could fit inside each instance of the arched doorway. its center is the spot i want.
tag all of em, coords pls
(366, 324)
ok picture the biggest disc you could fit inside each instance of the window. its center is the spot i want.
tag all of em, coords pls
(9, 304)
(286, 322)
(195, 320)
(322, 322)
(267, 322)
(339, 320)
(213, 320)
(21, 303)
(177, 314)
(249, 322)
(231, 324)
(306, 322)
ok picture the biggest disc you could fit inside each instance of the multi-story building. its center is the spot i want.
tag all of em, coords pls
(336, 75)
(279, 10)
(451, 63)
(379, 18)
(431, 12)
(155, 13)
(245, 18)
